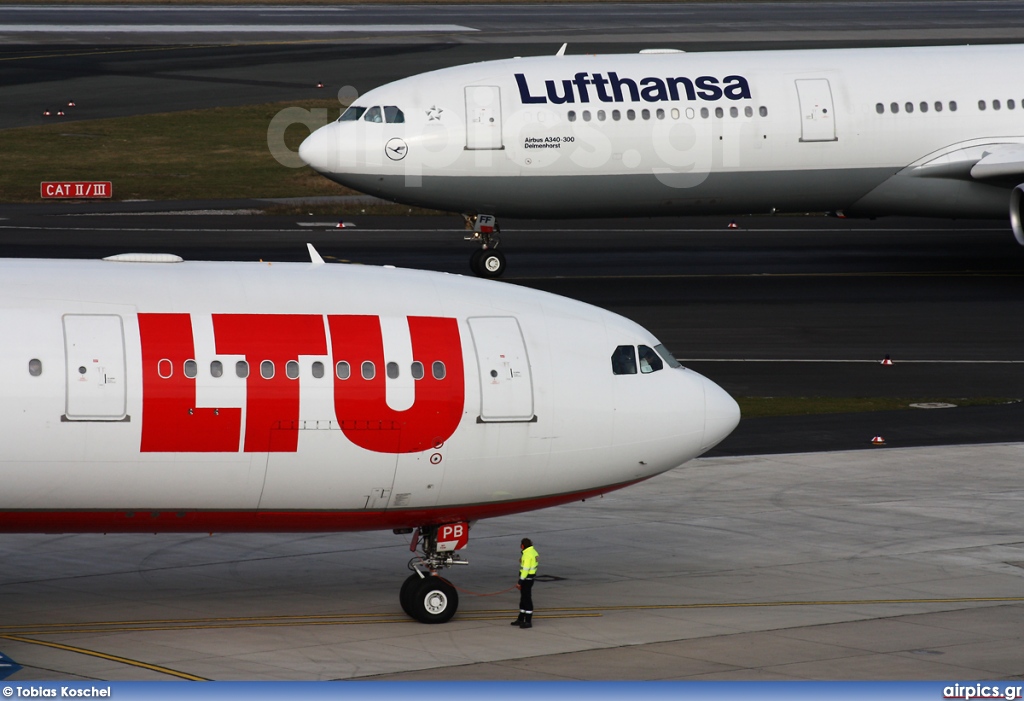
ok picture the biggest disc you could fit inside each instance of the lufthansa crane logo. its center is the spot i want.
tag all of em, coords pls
(396, 149)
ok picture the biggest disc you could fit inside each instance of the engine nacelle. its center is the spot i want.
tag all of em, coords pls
(1016, 216)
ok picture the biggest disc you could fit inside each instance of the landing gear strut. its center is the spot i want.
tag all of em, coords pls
(425, 595)
(487, 261)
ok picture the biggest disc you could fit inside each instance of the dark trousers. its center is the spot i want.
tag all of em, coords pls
(526, 595)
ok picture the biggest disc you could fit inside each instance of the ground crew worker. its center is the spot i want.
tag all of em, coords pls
(527, 573)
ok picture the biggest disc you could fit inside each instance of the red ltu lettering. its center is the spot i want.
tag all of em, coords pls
(361, 404)
(272, 403)
(171, 421)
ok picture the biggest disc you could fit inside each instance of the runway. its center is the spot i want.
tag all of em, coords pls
(121, 73)
(795, 551)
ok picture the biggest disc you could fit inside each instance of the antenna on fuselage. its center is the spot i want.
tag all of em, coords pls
(314, 257)
(561, 51)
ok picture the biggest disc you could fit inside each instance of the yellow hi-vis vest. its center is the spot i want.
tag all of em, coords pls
(528, 562)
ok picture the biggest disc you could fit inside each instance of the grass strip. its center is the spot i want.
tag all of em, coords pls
(218, 153)
(758, 407)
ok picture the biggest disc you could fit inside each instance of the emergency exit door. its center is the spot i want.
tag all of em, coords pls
(483, 117)
(95, 367)
(817, 116)
(506, 383)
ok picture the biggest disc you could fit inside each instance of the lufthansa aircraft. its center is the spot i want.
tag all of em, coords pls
(144, 394)
(857, 132)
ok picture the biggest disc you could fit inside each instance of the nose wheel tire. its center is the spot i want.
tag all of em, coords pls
(433, 600)
(487, 263)
(406, 593)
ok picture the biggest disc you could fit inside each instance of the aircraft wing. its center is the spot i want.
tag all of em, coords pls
(1000, 161)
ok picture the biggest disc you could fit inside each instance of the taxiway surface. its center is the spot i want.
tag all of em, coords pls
(887, 564)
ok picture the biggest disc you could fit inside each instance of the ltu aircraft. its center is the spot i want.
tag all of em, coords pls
(143, 394)
(857, 132)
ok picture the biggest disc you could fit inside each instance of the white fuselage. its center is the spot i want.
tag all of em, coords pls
(865, 132)
(144, 396)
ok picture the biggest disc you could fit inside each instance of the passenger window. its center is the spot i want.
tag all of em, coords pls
(35, 367)
(689, 113)
(952, 105)
(894, 108)
(704, 112)
(572, 116)
(164, 369)
(660, 114)
(880, 108)
(630, 115)
(392, 370)
(600, 115)
(995, 104)
(909, 107)
(216, 368)
(342, 370)
(719, 112)
(369, 371)
(649, 360)
(734, 112)
(417, 370)
(373, 115)
(624, 361)
(938, 106)
(1010, 104)
(675, 113)
(393, 115)
(669, 359)
(242, 369)
(616, 115)
(748, 111)
(924, 106)
(291, 369)
(438, 370)
(318, 369)
(267, 369)
(981, 105)
(351, 114)
(763, 111)
(191, 369)
(586, 115)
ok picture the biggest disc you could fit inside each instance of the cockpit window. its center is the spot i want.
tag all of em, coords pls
(669, 359)
(393, 115)
(624, 361)
(351, 114)
(649, 360)
(373, 115)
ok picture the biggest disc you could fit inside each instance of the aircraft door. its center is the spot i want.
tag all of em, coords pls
(817, 116)
(483, 117)
(506, 383)
(95, 368)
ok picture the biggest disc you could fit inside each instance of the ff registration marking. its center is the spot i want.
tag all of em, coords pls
(75, 190)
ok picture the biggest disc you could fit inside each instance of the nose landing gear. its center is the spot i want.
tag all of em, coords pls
(425, 595)
(487, 261)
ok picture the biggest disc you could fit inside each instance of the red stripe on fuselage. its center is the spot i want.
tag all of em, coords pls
(183, 521)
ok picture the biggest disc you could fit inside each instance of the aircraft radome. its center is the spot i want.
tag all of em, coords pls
(144, 394)
(935, 131)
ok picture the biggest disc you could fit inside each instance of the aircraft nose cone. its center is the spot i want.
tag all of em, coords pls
(320, 150)
(721, 415)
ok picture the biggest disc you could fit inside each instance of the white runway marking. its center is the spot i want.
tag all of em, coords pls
(228, 28)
